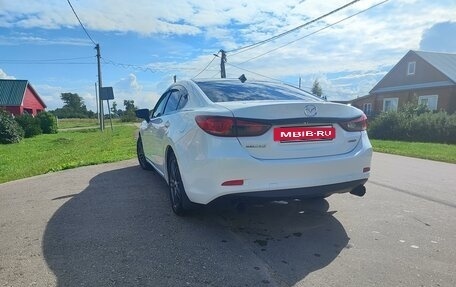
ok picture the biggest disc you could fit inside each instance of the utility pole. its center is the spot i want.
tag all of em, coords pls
(222, 65)
(97, 47)
(299, 81)
(97, 103)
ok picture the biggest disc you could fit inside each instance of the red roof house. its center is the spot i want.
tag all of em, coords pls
(18, 96)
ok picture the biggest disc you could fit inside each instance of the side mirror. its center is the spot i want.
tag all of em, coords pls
(143, 114)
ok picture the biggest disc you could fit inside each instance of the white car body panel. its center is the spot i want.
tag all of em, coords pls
(206, 161)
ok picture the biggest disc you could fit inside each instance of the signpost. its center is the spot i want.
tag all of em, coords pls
(106, 94)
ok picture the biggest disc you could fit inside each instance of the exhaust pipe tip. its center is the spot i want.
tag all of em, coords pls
(359, 190)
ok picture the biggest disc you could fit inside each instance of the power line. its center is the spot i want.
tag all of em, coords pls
(251, 46)
(44, 60)
(213, 76)
(143, 68)
(319, 30)
(47, 63)
(207, 66)
(267, 77)
(258, 74)
(128, 66)
(75, 14)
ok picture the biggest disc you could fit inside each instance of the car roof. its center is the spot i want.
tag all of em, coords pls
(233, 80)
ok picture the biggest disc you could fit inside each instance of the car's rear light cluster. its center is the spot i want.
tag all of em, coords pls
(356, 125)
(230, 126)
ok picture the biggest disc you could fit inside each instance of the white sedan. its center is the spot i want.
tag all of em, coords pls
(215, 138)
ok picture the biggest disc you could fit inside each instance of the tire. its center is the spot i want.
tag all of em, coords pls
(180, 203)
(141, 156)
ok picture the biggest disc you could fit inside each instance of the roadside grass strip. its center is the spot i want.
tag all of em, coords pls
(65, 150)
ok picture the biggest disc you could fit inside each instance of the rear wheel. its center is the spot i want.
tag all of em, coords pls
(180, 203)
(141, 156)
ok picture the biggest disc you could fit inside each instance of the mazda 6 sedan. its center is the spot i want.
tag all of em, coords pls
(216, 138)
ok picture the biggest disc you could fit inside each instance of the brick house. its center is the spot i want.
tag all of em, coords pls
(18, 96)
(426, 78)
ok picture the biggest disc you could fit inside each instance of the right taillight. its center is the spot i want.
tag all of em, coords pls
(356, 125)
(230, 126)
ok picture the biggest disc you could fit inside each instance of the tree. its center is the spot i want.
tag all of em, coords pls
(316, 89)
(114, 108)
(129, 114)
(73, 101)
(74, 107)
(129, 105)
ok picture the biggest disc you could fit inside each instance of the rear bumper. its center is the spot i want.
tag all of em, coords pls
(203, 173)
(303, 192)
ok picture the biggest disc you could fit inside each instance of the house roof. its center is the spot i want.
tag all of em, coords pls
(444, 62)
(355, 100)
(12, 92)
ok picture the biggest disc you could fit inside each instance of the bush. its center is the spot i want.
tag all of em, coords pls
(129, 116)
(48, 122)
(413, 123)
(10, 131)
(382, 126)
(30, 125)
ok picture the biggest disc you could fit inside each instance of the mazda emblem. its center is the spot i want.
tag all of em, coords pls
(310, 110)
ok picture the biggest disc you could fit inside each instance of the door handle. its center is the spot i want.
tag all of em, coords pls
(167, 124)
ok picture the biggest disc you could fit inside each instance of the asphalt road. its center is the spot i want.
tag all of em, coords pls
(111, 225)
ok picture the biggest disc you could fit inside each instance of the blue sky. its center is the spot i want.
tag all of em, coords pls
(145, 42)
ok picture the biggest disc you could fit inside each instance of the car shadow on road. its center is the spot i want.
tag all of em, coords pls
(120, 231)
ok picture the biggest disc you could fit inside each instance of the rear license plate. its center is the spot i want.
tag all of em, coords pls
(319, 133)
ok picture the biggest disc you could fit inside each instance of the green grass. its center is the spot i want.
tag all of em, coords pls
(76, 123)
(80, 123)
(432, 151)
(70, 149)
(64, 150)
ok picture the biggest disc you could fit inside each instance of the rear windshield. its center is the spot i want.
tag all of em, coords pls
(229, 91)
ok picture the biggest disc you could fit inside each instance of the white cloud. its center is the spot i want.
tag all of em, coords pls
(361, 48)
(50, 95)
(395, 24)
(29, 39)
(128, 84)
(3, 75)
(128, 88)
(432, 39)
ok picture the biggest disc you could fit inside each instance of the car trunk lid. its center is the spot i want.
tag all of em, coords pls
(295, 118)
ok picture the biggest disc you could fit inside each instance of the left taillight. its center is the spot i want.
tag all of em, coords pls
(230, 126)
(217, 126)
(356, 125)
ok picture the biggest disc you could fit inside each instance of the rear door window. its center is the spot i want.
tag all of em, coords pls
(173, 102)
(183, 100)
(177, 100)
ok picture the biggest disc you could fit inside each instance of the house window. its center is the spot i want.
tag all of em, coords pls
(429, 101)
(367, 108)
(411, 68)
(390, 104)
